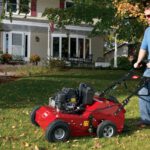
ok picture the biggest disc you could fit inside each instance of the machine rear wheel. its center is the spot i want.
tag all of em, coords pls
(57, 131)
(32, 115)
(106, 129)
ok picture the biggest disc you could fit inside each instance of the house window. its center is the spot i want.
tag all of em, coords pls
(65, 47)
(26, 46)
(68, 3)
(73, 47)
(18, 6)
(11, 5)
(87, 48)
(80, 48)
(56, 47)
(24, 6)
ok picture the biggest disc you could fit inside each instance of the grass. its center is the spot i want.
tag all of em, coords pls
(18, 98)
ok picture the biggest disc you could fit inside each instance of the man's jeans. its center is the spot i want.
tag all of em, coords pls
(144, 104)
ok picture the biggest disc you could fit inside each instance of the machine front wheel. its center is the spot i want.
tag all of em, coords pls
(106, 129)
(57, 131)
(32, 115)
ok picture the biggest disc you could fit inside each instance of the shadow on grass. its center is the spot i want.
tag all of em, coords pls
(32, 91)
(27, 92)
(36, 90)
(130, 126)
(97, 76)
(129, 129)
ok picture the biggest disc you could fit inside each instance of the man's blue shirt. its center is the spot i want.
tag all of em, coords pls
(146, 46)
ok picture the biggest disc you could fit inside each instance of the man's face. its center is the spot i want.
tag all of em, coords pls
(147, 15)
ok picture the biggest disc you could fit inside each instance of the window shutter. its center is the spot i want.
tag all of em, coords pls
(33, 8)
(61, 5)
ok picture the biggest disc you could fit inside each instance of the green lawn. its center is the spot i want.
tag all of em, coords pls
(18, 98)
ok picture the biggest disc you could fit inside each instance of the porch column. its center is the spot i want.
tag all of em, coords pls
(4, 45)
(48, 43)
(10, 43)
(115, 52)
(51, 46)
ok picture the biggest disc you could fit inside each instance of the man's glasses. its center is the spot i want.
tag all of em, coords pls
(147, 16)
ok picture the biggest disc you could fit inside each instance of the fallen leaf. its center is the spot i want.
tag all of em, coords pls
(75, 145)
(97, 146)
(75, 140)
(13, 127)
(36, 147)
(26, 144)
(21, 135)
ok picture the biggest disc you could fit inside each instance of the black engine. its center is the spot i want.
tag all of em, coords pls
(71, 100)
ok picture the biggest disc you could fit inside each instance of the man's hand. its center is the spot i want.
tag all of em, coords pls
(136, 65)
(141, 56)
(148, 65)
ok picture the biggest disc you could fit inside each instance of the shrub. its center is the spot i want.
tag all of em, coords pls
(56, 63)
(6, 58)
(122, 63)
(35, 59)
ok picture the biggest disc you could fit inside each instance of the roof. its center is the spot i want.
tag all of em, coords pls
(121, 45)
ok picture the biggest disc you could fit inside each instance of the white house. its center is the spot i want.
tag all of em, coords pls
(123, 50)
(33, 34)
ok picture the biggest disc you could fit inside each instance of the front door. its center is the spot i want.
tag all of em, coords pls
(16, 44)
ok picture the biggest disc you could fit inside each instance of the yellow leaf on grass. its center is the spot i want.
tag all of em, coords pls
(36, 147)
(13, 127)
(26, 144)
(23, 134)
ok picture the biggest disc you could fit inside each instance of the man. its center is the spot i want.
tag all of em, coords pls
(144, 101)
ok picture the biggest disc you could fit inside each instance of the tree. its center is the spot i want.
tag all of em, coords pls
(91, 12)
(126, 16)
(131, 19)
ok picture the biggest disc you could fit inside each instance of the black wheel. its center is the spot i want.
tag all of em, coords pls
(32, 115)
(106, 129)
(57, 131)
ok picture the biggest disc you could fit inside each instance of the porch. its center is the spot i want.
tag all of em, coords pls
(72, 43)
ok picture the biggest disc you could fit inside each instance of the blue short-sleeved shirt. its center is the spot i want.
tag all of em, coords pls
(146, 46)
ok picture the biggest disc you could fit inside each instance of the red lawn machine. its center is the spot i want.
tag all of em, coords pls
(81, 112)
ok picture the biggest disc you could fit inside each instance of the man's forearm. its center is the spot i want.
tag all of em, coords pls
(141, 55)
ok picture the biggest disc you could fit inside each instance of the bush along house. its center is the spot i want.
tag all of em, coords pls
(31, 34)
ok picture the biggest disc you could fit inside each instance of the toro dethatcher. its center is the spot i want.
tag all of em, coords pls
(84, 112)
